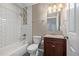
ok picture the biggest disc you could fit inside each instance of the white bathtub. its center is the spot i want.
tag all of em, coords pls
(17, 49)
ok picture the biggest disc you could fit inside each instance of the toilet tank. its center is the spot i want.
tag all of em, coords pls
(36, 39)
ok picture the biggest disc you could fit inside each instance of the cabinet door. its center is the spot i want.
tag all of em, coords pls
(59, 50)
(54, 48)
(48, 50)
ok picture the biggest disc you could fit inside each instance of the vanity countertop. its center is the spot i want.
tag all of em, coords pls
(54, 36)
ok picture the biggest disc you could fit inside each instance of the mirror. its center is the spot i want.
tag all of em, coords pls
(53, 22)
(54, 17)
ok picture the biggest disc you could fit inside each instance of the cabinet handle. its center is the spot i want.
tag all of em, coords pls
(53, 46)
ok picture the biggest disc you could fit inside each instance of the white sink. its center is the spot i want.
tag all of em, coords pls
(54, 36)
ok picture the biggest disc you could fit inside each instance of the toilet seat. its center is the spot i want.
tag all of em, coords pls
(32, 47)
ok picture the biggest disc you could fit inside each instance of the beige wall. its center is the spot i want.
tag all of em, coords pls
(39, 19)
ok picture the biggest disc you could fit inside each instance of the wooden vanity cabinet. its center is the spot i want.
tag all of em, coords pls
(54, 47)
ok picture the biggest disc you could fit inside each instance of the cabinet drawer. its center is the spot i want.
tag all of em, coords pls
(54, 44)
(59, 42)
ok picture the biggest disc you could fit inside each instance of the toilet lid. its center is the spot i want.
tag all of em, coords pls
(33, 47)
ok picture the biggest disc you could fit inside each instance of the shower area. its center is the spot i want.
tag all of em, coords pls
(13, 31)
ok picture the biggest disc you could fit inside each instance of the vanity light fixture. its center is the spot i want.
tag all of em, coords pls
(55, 7)
(50, 8)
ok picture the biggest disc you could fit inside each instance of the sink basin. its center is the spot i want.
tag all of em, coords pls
(54, 36)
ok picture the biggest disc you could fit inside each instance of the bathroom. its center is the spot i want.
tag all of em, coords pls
(24, 28)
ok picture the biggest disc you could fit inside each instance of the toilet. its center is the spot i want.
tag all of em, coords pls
(33, 48)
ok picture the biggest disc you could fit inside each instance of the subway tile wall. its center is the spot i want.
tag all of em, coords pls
(11, 27)
(10, 24)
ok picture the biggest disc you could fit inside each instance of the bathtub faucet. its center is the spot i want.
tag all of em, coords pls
(24, 36)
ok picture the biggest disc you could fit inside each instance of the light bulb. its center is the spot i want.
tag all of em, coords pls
(60, 5)
(54, 7)
(59, 9)
(50, 9)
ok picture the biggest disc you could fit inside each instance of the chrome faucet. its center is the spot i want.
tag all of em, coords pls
(24, 36)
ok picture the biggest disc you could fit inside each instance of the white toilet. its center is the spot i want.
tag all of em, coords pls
(33, 48)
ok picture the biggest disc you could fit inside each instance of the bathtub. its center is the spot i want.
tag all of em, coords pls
(17, 49)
